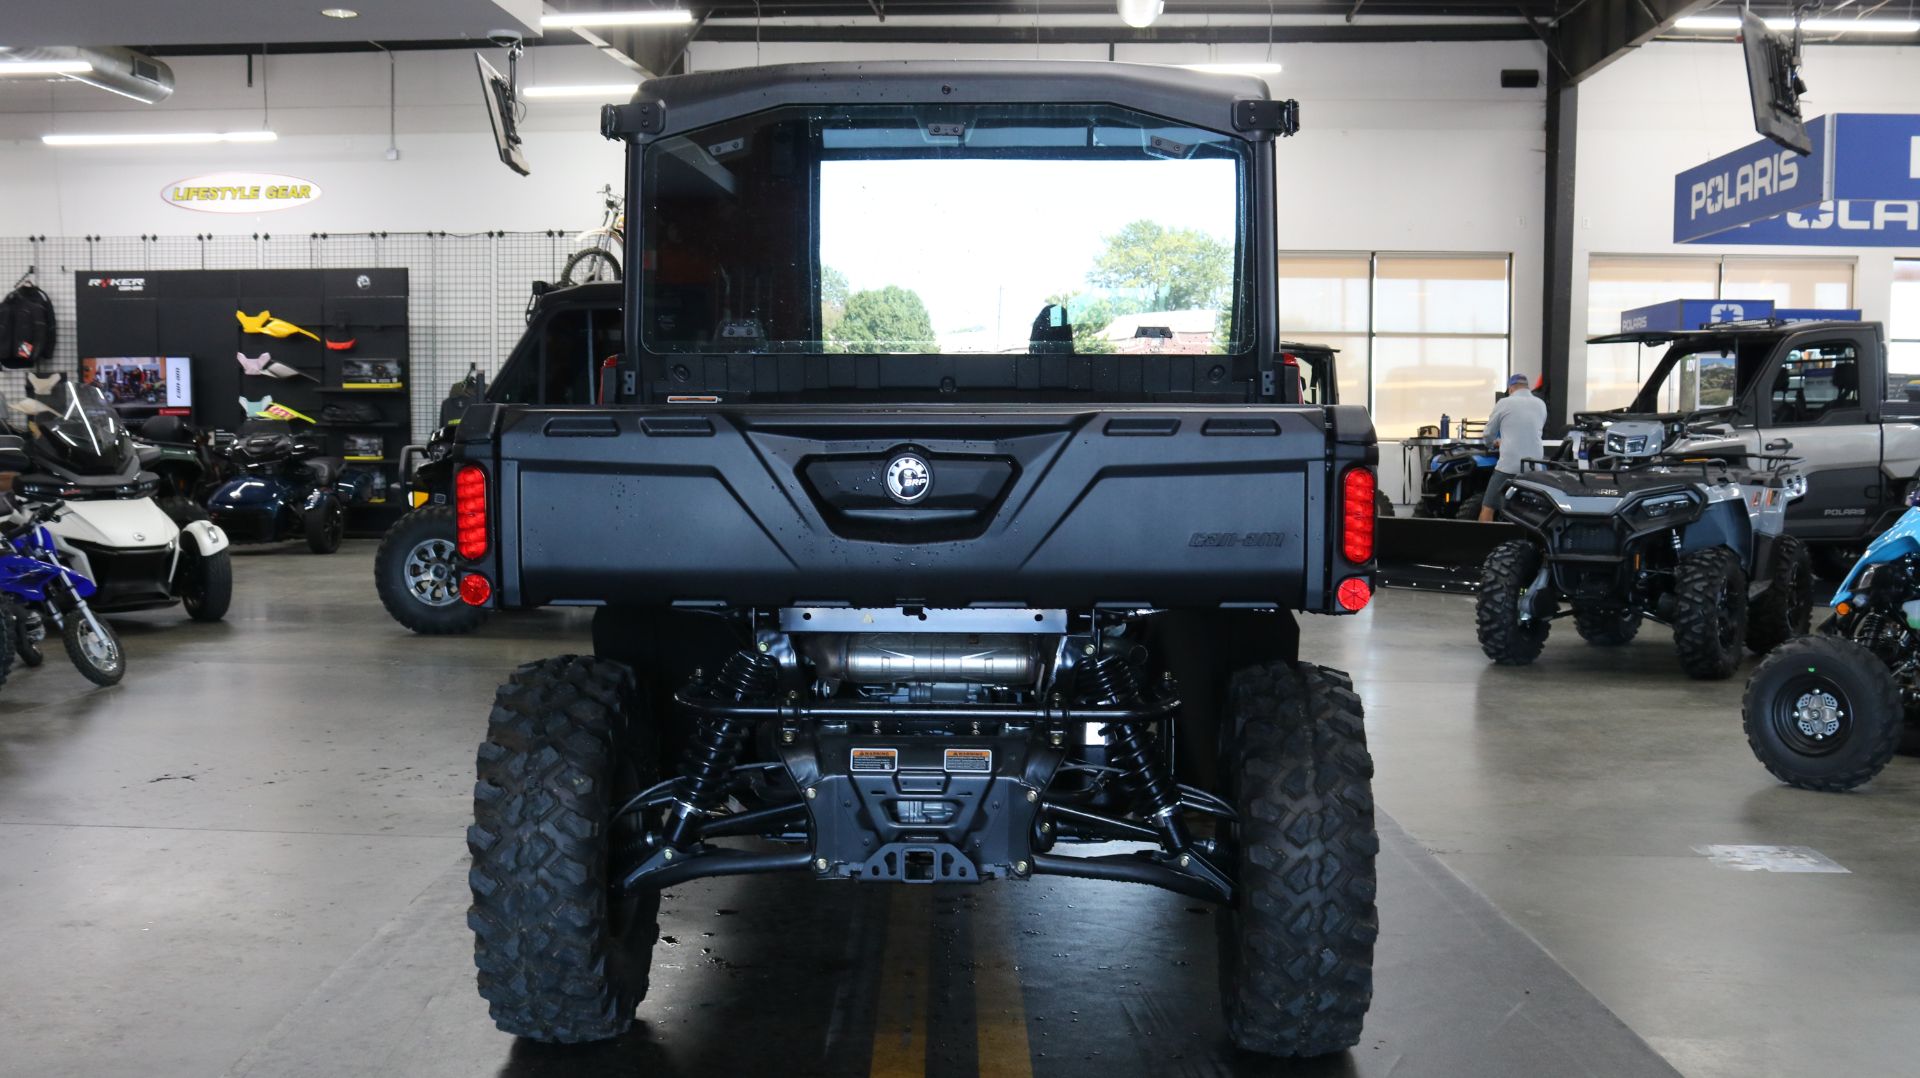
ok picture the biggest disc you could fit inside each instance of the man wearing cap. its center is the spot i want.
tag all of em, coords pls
(1514, 429)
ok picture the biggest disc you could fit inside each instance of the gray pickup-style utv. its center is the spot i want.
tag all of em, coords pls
(1693, 543)
(905, 592)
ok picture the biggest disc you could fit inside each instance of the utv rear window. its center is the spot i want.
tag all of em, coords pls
(987, 229)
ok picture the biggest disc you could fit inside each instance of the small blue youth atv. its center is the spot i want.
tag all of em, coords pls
(1827, 711)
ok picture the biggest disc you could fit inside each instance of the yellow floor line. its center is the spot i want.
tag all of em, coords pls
(998, 1013)
(900, 1014)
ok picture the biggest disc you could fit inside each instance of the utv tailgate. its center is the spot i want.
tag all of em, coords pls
(1031, 508)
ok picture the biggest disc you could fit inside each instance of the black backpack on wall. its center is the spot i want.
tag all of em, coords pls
(26, 327)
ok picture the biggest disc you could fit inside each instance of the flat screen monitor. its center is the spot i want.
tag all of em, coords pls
(142, 386)
(1774, 84)
(501, 106)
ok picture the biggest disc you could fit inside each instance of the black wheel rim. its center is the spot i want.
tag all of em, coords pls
(428, 572)
(1812, 715)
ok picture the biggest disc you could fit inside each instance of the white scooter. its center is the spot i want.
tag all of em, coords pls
(112, 530)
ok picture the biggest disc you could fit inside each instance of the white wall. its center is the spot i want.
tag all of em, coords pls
(332, 117)
(1403, 147)
(1670, 106)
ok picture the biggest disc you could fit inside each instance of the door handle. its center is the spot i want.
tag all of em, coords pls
(1778, 445)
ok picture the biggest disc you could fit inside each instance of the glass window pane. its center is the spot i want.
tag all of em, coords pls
(1351, 362)
(1615, 372)
(1903, 371)
(1616, 284)
(1790, 282)
(1904, 322)
(1323, 294)
(1416, 379)
(1440, 294)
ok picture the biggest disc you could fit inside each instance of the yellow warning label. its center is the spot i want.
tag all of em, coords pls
(875, 760)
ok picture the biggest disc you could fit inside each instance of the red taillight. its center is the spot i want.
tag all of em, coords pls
(1357, 511)
(1354, 593)
(470, 512)
(475, 591)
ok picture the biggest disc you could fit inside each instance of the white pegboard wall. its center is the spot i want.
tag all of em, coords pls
(468, 292)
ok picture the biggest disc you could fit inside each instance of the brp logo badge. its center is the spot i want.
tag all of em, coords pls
(908, 478)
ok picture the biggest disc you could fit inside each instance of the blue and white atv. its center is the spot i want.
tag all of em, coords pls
(1827, 711)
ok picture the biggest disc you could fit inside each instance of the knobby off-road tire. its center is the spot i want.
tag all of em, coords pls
(1504, 579)
(1710, 613)
(590, 264)
(559, 958)
(1785, 609)
(1606, 626)
(12, 619)
(1296, 948)
(414, 573)
(1868, 713)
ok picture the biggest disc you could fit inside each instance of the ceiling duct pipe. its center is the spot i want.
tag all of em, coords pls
(121, 71)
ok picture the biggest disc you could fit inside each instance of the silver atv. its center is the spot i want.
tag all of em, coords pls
(1697, 544)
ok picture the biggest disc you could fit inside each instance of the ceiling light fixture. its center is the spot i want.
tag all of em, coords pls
(1261, 67)
(178, 138)
(1815, 26)
(1140, 14)
(339, 13)
(607, 90)
(44, 67)
(654, 17)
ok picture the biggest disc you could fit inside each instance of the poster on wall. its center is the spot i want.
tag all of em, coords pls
(140, 386)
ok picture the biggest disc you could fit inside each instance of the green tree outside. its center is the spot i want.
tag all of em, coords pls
(833, 300)
(890, 319)
(1180, 268)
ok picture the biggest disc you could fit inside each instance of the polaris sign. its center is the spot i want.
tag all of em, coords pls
(1859, 188)
(1836, 224)
(1751, 184)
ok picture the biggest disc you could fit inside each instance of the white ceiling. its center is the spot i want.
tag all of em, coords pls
(30, 23)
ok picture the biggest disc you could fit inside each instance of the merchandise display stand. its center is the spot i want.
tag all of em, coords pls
(328, 345)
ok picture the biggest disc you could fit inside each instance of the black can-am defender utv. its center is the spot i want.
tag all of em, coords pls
(908, 591)
(1693, 543)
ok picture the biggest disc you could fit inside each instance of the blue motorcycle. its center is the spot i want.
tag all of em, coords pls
(281, 487)
(39, 590)
(1828, 711)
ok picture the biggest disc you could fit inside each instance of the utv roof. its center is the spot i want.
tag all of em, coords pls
(677, 103)
(1760, 327)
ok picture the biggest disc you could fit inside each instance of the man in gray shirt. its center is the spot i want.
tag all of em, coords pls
(1514, 428)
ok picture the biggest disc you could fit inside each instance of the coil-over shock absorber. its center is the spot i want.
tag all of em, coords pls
(1113, 681)
(715, 744)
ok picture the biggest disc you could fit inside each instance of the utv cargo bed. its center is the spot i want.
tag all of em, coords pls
(1026, 506)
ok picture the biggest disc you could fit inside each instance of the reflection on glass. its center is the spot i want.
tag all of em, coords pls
(949, 229)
